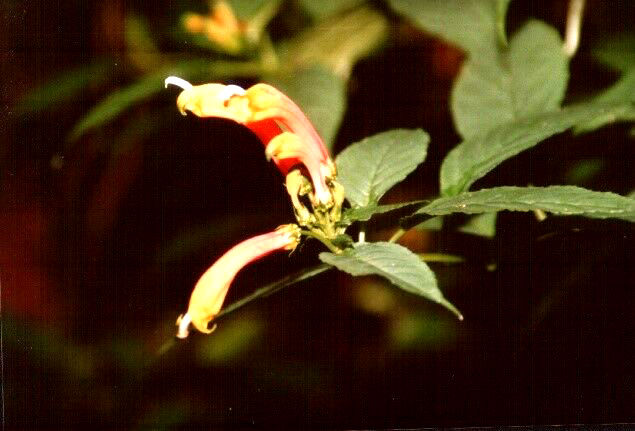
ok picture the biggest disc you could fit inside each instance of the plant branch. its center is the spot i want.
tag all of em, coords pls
(324, 240)
(271, 288)
(440, 257)
(397, 235)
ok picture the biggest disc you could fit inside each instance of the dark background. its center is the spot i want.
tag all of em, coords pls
(100, 246)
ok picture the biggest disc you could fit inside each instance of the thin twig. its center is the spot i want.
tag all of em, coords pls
(324, 240)
(441, 258)
(271, 288)
(397, 235)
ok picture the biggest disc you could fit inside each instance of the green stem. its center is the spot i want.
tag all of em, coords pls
(271, 288)
(324, 240)
(440, 257)
(397, 235)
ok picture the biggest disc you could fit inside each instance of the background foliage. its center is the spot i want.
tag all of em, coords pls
(112, 204)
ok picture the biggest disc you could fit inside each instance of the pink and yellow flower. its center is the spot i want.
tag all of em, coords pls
(289, 137)
(211, 289)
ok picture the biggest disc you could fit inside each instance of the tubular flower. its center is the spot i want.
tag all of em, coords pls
(221, 26)
(210, 290)
(274, 118)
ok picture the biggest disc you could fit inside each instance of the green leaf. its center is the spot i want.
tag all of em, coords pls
(138, 36)
(561, 200)
(322, 9)
(617, 52)
(366, 213)
(622, 91)
(468, 24)
(528, 78)
(66, 86)
(247, 9)
(320, 94)
(584, 171)
(231, 341)
(396, 263)
(481, 225)
(423, 331)
(369, 168)
(331, 43)
(121, 100)
(475, 157)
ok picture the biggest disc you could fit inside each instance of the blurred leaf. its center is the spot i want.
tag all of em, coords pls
(321, 9)
(529, 78)
(165, 416)
(561, 200)
(320, 94)
(481, 225)
(232, 339)
(141, 49)
(247, 9)
(47, 348)
(420, 331)
(332, 44)
(132, 135)
(617, 52)
(475, 157)
(351, 215)
(122, 99)
(369, 168)
(373, 296)
(468, 24)
(257, 21)
(396, 263)
(137, 34)
(583, 171)
(434, 224)
(128, 353)
(622, 91)
(66, 86)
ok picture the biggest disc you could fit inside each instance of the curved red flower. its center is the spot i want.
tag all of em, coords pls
(274, 118)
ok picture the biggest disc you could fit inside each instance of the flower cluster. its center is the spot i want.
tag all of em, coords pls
(296, 148)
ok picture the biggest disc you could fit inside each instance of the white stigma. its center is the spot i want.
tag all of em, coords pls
(179, 82)
(184, 325)
(229, 91)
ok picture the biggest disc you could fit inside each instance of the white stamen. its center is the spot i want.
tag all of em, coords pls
(229, 91)
(184, 325)
(179, 82)
(362, 236)
(574, 24)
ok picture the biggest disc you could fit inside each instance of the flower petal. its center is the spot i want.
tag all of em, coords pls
(211, 289)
